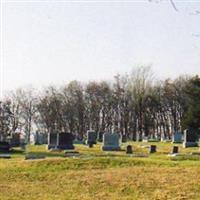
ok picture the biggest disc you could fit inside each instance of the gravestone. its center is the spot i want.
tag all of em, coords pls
(15, 140)
(91, 137)
(177, 137)
(190, 138)
(138, 137)
(174, 149)
(77, 141)
(60, 140)
(90, 145)
(52, 141)
(152, 149)
(145, 139)
(129, 149)
(4, 147)
(100, 136)
(40, 138)
(163, 138)
(34, 156)
(124, 138)
(111, 142)
(65, 141)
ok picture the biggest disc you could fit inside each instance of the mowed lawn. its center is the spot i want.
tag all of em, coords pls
(102, 175)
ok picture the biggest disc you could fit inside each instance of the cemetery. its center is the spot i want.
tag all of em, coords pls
(102, 171)
(99, 100)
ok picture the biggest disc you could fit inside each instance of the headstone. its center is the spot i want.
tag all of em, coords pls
(145, 139)
(34, 156)
(177, 137)
(91, 137)
(5, 156)
(190, 138)
(52, 140)
(111, 142)
(4, 147)
(138, 137)
(78, 141)
(152, 149)
(65, 141)
(162, 138)
(124, 138)
(100, 136)
(129, 149)
(40, 138)
(90, 145)
(15, 140)
(71, 153)
(174, 149)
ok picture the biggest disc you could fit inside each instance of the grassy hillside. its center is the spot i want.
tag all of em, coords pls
(101, 175)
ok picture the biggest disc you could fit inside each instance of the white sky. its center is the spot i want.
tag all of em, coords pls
(52, 42)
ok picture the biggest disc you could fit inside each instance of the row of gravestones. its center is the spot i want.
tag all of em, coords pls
(62, 140)
(110, 141)
(189, 138)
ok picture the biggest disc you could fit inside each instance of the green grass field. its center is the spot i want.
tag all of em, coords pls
(101, 175)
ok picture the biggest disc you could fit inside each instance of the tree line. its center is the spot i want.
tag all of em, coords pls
(134, 104)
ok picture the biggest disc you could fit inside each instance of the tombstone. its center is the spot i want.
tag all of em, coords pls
(124, 138)
(138, 137)
(91, 137)
(60, 141)
(90, 145)
(177, 137)
(190, 138)
(145, 139)
(52, 141)
(23, 144)
(65, 141)
(174, 150)
(152, 149)
(4, 147)
(5, 156)
(34, 156)
(78, 141)
(129, 149)
(100, 136)
(40, 138)
(14, 141)
(111, 142)
(162, 138)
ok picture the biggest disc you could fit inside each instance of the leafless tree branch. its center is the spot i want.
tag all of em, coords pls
(174, 6)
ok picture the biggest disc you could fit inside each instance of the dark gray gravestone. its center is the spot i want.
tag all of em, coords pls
(111, 142)
(65, 141)
(124, 138)
(4, 147)
(91, 137)
(190, 138)
(152, 149)
(15, 140)
(52, 141)
(90, 145)
(129, 149)
(100, 136)
(174, 149)
(177, 137)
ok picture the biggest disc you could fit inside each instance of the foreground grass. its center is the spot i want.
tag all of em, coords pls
(101, 175)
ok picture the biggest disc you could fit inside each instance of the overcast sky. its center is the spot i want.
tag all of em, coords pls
(52, 42)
